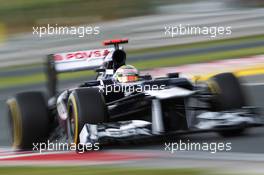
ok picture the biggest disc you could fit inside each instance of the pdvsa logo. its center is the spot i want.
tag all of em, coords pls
(81, 55)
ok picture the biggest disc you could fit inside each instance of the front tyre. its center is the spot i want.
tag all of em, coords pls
(85, 106)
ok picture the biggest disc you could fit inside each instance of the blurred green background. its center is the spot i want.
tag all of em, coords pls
(21, 15)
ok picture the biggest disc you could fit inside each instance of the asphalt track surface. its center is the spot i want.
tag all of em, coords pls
(251, 142)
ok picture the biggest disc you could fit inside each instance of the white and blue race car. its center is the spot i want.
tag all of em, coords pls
(121, 104)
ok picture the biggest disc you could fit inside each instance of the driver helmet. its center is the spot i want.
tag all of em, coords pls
(126, 74)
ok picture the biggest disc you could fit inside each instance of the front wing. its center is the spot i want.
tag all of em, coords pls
(207, 121)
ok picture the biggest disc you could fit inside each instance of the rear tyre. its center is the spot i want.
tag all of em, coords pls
(29, 122)
(228, 95)
(85, 105)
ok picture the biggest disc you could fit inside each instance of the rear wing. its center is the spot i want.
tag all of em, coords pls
(77, 61)
(74, 61)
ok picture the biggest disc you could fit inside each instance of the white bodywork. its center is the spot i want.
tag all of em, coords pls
(170, 93)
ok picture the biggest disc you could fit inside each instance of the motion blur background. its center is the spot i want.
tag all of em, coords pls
(22, 54)
(19, 16)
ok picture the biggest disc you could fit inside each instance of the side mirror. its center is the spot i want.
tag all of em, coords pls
(100, 70)
(173, 75)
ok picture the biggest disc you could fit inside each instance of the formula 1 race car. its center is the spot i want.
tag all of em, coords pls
(122, 104)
